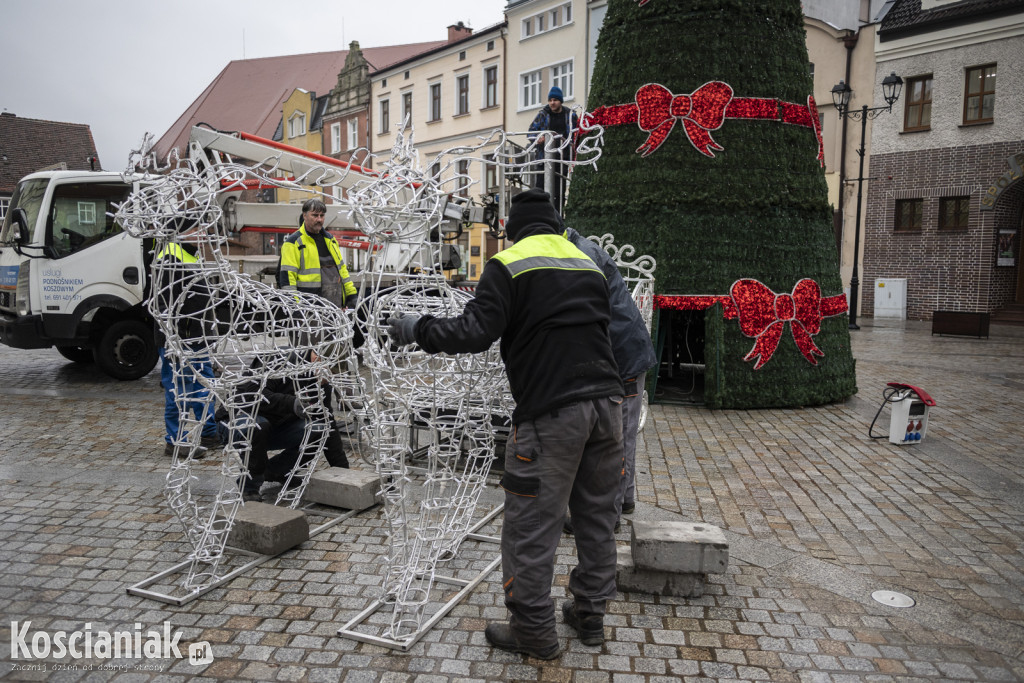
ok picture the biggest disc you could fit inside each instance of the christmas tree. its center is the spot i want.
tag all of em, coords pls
(712, 164)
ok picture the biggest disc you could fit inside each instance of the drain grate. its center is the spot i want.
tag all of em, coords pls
(893, 599)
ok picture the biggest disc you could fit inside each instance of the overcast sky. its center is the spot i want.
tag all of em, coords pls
(127, 67)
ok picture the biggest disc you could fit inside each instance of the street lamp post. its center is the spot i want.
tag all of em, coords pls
(891, 86)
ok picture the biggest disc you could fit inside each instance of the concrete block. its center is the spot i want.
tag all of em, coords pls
(679, 547)
(268, 529)
(652, 582)
(343, 488)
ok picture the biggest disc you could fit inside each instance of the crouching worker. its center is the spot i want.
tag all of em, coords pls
(549, 305)
(281, 423)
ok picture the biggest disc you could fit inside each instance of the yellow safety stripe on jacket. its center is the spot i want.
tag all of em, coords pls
(303, 276)
(175, 250)
(544, 251)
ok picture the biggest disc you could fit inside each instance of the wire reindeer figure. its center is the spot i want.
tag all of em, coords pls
(207, 311)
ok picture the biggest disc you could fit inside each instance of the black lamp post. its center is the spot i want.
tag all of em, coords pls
(891, 86)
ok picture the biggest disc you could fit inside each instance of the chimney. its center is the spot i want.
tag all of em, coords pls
(458, 32)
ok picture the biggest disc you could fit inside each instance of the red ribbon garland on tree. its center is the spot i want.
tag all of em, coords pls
(657, 109)
(763, 314)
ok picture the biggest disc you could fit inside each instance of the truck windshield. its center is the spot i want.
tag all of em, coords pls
(29, 196)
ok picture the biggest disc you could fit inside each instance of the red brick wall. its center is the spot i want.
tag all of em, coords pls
(945, 270)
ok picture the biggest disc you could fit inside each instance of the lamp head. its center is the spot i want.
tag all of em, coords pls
(841, 96)
(891, 87)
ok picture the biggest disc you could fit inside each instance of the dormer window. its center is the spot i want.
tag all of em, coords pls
(297, 125)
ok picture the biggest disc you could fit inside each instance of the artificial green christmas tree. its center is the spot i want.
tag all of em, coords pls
(712, 164)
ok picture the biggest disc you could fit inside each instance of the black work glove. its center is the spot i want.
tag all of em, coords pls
(401, 329)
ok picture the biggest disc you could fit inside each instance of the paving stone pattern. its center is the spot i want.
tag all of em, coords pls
(817, 515)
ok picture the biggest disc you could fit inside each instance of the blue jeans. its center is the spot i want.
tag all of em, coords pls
(195, 394)
(286, 436)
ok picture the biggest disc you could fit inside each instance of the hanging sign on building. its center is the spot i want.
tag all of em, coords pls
(988, 200)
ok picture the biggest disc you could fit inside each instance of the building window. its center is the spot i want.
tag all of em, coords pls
(527, 27)
(435, 102)
(353, 133)
(297, 125)
(567, 8)
(542, 23)
(490, 174)
(491, 86)
(490, 45)
(530, 89)
(908, 215)
(406, 108)
(556, 17)
(463, 182)
(335, 138)
(383, 82)
(435, 171)
(980, 100)
(462, 102)
(406, 75)
(385, 116)
(462, 56)
(5, 202)
(953, 213)
(86, 213)
(561, 75)
(918, 112)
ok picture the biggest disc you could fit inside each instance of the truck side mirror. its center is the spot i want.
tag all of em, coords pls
(20, 232)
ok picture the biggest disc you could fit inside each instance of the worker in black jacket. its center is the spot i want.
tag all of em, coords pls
(280, 424)
(548, 303)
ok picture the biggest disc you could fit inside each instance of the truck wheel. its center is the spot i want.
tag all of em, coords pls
(127, 350)
(76, 354)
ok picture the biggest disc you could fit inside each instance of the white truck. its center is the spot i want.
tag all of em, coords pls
(70, 278)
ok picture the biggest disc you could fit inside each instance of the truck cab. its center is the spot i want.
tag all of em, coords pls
(71, 278)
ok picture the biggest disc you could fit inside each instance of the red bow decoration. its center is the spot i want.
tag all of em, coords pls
(763, 314)
(643, 2)
(700, 112)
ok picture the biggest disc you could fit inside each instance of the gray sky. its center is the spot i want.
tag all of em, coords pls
(127, 67)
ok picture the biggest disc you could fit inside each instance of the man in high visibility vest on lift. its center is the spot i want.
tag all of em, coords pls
(311, 260)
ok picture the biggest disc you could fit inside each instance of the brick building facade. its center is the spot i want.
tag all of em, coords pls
(945, 202)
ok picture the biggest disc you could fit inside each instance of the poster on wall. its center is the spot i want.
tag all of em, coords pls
(1006, 251)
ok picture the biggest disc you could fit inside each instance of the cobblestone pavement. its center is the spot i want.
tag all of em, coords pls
(817, 514)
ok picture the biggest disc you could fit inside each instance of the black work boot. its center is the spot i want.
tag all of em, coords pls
(589, 627)
(502, 637)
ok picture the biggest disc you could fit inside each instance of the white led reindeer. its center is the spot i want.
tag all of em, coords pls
(249, 331)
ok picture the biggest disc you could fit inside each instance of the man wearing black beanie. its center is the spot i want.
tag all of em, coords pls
(548, 303)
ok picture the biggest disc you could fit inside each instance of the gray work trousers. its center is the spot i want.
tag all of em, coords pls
(571, 456)
(632, 406)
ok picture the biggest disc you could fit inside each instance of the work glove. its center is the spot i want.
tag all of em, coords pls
(401, 329)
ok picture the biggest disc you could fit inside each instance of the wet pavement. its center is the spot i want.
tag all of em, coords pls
(818, 516)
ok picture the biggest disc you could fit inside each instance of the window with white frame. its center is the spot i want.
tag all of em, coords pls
(353, 133)
(406, 107)
(530, 90)
(335, 138)
(561, 75)
(86, 213)
(527, 28)
(5, 202)
(297, 125)
(491, 86)
(385, 116)
(462, 94)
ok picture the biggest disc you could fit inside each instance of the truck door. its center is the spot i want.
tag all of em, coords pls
(95, 264)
